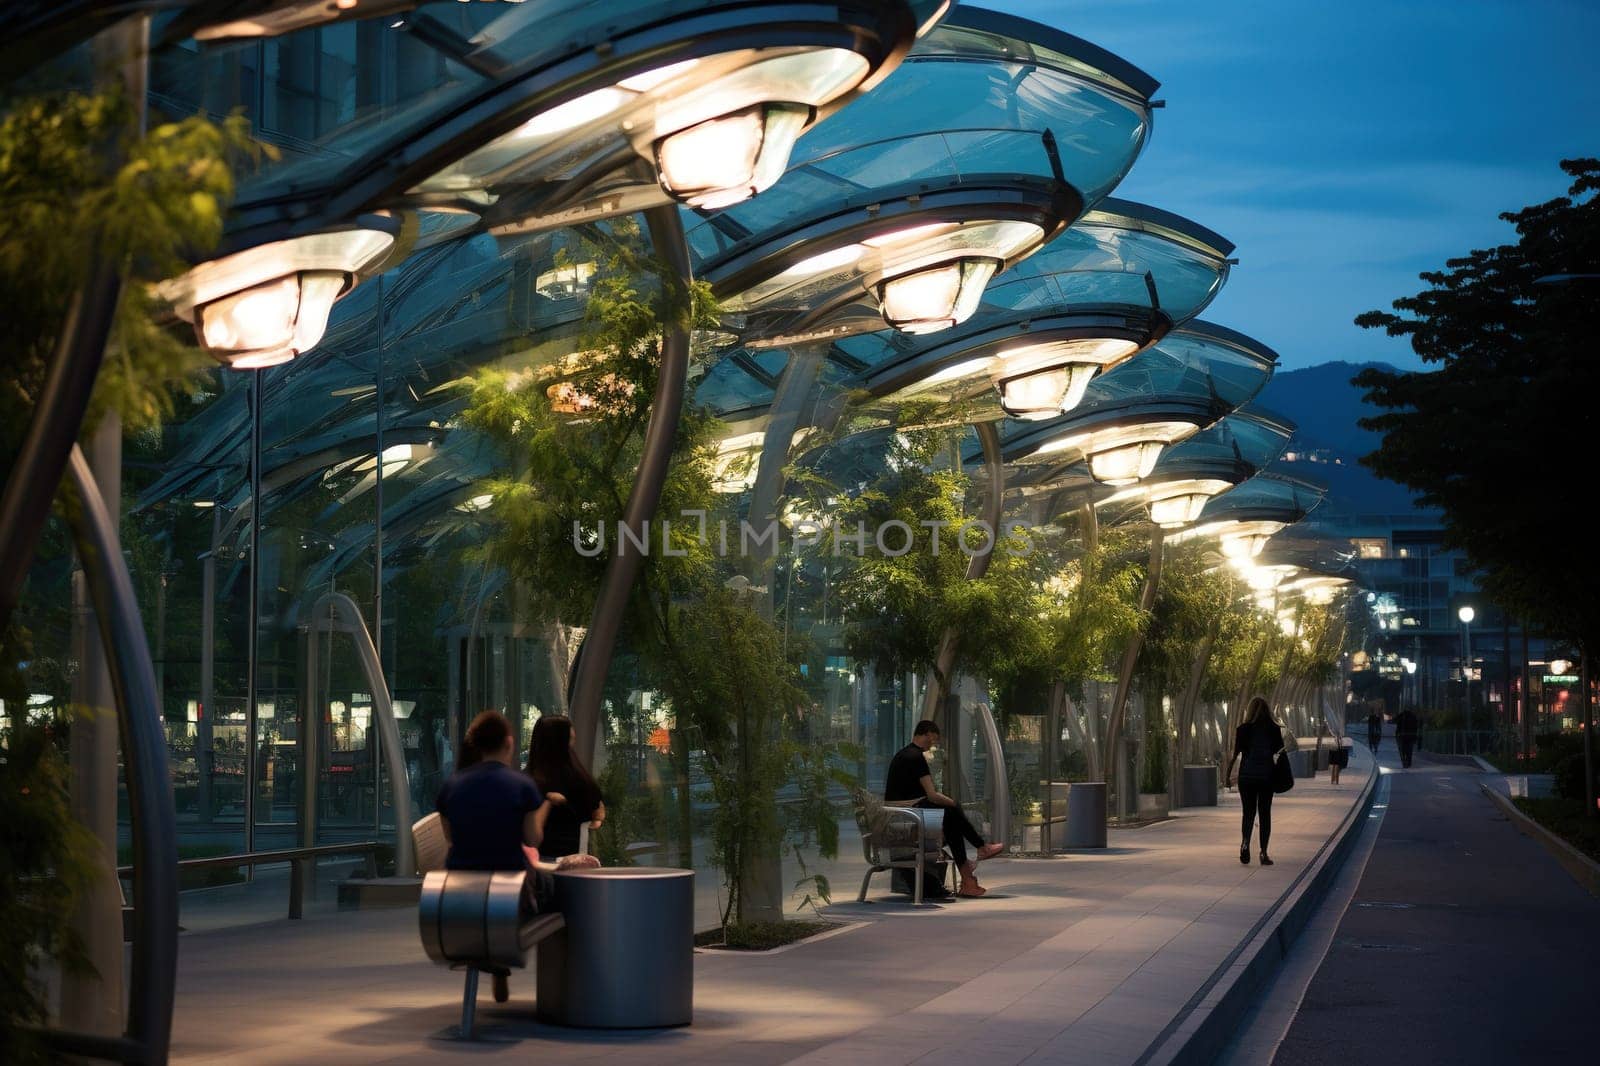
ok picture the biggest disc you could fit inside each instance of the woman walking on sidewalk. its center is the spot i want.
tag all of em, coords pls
(1257, 742)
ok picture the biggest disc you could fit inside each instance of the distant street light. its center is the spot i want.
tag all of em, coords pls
(1560, 666)
(1467, 614)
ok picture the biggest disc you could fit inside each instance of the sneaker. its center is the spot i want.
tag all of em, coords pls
(989, 851)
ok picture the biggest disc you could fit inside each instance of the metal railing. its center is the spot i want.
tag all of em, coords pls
(1463, 741)
(301, 861)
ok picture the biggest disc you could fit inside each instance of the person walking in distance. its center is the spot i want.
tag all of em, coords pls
(1256, 743)
(1405, 734)
(1374, 732)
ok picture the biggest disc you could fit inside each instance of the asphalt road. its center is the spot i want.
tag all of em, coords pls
(1465, 942)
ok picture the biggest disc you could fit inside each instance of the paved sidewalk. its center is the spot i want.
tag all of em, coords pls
(1082, 958)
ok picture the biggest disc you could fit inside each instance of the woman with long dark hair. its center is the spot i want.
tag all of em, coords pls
(1258, 741)
(488, 810)
(554, 766)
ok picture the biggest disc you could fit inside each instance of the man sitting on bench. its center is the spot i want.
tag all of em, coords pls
(909, 779)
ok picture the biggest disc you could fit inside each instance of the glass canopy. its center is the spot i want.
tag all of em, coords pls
(535, 114)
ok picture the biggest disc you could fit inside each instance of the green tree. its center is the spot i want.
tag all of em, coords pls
(1497, 432)
(571, 451)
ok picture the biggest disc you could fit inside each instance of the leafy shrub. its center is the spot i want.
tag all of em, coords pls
(1569, 777)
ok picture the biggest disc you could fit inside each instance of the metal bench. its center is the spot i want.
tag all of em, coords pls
(471, 920)
(899, 837)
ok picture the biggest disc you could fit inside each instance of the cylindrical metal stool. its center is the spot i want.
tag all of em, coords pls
(1200, 786)
(626, 958)
(1086, 815)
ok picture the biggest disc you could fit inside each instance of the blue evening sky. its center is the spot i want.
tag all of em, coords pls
(1344, 147)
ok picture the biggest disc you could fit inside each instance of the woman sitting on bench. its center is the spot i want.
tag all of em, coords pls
(554, 765)
(489, 811)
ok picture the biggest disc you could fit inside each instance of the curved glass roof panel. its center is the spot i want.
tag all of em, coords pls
(1201, 359)
(1265, 497)
(399, 102)
(977, 66)
(1121, 276)
(1122, 254)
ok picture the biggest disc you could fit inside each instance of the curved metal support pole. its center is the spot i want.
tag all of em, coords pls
(1000, 819)
(977, 566)
(1130, 658)
(57, 416)
(783, 418)
(346, 618)
(594, 656)
(1184, 749)
(144, 746)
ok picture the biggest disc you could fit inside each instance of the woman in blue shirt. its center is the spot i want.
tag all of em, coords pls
(489, 810)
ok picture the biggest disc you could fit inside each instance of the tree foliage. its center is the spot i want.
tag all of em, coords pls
(75, 184)
(571, 454)
(1497, 432)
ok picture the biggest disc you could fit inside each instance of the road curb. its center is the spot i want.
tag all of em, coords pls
(1205, 1025)
(1583, 869)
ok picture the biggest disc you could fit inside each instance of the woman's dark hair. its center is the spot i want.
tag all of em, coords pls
(488, 732)
(551, 760)
(1258, 711)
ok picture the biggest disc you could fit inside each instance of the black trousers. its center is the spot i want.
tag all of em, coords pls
(1257, 797)
(957, 832)
(1372, 741)
(1407, 746)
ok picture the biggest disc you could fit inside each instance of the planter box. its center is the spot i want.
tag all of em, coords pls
(1153, 805)
(1200, 786)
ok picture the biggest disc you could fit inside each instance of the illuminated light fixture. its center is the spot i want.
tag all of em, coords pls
(1046, 393)
(268, 304)
(960, 370)
(1266, 578)
(1127, 448)
(1560, 666)
(1466, 614)
(395, 458)
(936, 297)
(581, 111)
(1244, 545)
(650, 79)
(904, 236)
(1173, 504)
(734, 467)
(825, 262)
(723, 161)
(1061, 367)
(1174, 512)
(718, 129)
(1126, 463)
(564, 282)
(567, 398)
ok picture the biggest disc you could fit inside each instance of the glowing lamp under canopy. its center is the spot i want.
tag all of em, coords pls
(266, 305)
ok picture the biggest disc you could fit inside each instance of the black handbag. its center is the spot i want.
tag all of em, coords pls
(1282, 773)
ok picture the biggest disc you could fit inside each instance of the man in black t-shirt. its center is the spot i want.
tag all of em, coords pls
(909, 779)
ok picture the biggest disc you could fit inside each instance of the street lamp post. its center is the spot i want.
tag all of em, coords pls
(1466, 614)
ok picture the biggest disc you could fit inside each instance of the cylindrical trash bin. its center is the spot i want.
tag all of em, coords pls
(1200, 786)
(1086, 815)
(626, 957)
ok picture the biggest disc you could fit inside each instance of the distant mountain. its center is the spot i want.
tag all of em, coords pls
(1329, 444)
